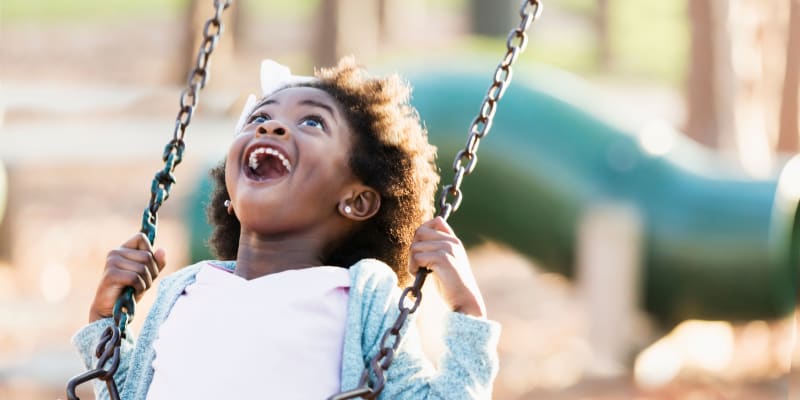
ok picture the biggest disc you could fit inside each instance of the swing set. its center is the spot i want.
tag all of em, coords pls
(372, 379)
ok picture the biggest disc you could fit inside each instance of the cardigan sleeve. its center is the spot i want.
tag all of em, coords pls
(86, 341)
(466, 371)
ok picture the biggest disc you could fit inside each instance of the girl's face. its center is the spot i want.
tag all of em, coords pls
(288, 168)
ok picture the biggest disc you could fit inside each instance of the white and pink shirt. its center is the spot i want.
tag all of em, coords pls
(227, 337)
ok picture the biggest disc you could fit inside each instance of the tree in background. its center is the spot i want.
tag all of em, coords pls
(702, 124)
(790, 100)
(196, 16)
(601, 21)
(741, 52)
(346, 27)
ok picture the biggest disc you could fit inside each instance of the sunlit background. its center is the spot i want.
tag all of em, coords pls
(632, 220)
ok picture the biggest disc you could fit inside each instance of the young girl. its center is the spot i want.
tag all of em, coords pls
(322, 208)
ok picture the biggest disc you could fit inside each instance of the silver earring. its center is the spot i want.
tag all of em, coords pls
(347, 209)
(228, 205)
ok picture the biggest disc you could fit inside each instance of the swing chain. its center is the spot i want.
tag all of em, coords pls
(199, 74)
(463, 165)
(108, 349)
(467, 158)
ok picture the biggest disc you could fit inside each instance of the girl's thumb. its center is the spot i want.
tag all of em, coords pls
(161, 258)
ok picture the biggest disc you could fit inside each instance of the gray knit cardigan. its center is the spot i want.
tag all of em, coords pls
(466, 370)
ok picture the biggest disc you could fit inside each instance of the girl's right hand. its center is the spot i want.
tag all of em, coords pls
(132, 264)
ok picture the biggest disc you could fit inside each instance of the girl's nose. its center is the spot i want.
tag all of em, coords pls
(272, 127)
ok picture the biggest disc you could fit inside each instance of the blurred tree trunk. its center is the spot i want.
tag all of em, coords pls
(702, 124)
(346, 27)
(493, 17)
(198, 13)
(402, 21)
(327, 39)
(6, 211)
(790, 99)
(757, 42)
(383, 20)
(602, 32)
(736, 79)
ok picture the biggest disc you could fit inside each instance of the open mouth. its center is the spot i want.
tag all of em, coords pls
(267, 163)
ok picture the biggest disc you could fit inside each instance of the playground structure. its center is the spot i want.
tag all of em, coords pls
(716, 244)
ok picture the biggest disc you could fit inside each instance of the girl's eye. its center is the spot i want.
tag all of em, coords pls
(314, 122)
(258, 119)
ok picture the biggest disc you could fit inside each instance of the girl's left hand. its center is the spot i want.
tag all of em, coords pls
(437, 248)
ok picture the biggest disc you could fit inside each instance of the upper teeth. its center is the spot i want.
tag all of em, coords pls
(268, 150)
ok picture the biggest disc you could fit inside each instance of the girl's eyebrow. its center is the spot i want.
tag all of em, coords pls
(308, 102)
(324, 106)
(264, 103)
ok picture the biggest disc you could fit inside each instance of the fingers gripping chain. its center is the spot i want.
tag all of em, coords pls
(449, 201)
(108, 349)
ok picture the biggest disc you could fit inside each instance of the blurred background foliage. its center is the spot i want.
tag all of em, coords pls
(657, 24)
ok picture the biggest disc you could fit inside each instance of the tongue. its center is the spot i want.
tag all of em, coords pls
(270, 168)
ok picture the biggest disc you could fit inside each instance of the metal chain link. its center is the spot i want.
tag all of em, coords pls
(463, 165)
(108, 348)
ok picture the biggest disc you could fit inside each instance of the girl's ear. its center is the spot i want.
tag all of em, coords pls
(361, 204)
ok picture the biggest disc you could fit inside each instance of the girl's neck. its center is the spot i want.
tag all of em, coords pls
(259, 256)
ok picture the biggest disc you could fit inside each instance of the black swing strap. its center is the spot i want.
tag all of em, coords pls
(108, 349)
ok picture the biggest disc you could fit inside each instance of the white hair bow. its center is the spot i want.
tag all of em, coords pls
(273, 77)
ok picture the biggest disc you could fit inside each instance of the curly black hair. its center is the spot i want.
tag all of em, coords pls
(390, 153)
